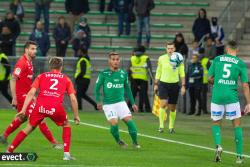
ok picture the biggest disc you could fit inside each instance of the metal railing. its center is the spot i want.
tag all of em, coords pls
(232, 15)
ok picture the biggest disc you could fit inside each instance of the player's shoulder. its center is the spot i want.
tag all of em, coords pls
(123, 71)
(105, 71)
(163, 56)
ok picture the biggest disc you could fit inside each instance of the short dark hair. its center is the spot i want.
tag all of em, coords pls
(113, 54)
(232, 44)
(55, 63)
(61, 17)
(28, 43)
(169, 43)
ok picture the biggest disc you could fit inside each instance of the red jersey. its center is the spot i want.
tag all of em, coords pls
(24, 72)
(53, 86)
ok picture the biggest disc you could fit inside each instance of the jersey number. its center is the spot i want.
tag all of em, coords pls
(226, 70)
(53, 86)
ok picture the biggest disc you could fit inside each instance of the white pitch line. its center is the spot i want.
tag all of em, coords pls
(163, 139)
(32, 164)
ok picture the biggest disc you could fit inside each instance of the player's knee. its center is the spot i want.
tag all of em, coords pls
(66, 124)
(113, 122)
(23, 119)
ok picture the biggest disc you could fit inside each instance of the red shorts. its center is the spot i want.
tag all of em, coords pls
(30, 107)
(41, 111)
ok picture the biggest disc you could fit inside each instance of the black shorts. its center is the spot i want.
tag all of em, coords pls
(169, 91)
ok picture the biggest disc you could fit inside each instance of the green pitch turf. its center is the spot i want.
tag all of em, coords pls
(93, 146)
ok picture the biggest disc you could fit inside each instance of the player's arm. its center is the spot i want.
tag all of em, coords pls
(74, 106)
(27, 101)
(245, 86)
(157, 75)
(183, 79)
(130, 95)
(13, 89)
(211, 73)
(98, 85)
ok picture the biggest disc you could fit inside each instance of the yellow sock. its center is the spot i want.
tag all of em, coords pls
(162, 112)
(172, 116)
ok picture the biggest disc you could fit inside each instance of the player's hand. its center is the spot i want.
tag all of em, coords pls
(155, 89)
(99, 106)
(14, 102)
(20, 115)
(183, 90)
(247, 109)
(135, 108)
(77, 120)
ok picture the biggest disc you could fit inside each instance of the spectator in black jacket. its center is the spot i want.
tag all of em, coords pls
(122, 8)
(194, 84)
(62, 35)
(81, 36)
(41, 38)
(42, 6)
(143, 9)
(180, 45)
(76, 8)
(17, 8)
(14, 27)
(6, 41)
(201, 25)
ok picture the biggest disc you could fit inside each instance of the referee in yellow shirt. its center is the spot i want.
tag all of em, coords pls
(167, 85)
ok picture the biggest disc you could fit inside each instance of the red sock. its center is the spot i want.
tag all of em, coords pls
(12, 127)
(66, 138)
(18, 139)
(47, 133)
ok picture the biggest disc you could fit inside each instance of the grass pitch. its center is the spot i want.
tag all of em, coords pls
(94, 146)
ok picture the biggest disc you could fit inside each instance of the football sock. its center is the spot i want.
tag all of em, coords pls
(12, 127)
(162, 112)
(172, 116)
(132, 131)
(17, 140)
(216, 134)
(114, 130)
(238, 140)
(47, 133)
(66, 138)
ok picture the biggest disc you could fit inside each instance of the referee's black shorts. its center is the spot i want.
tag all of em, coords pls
(169, 91)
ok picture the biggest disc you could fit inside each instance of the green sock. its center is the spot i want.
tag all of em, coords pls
(216, 134)
(114, 130)
(161, 117)
(132, 130)
(238, 140)
(172, 116)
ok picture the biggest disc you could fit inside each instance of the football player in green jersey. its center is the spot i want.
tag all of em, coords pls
(114, 83)
(224, 74)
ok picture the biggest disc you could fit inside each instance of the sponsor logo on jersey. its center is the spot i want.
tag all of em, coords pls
(226, 82)
(17, 71)
(111, 85)
(45, 111)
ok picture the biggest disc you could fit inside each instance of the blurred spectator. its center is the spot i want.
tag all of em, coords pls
(17, 9)
(7, 41)
(180, 45)
(14, 27)
(41, 38)
(123, 8)
(194, 84)
(194, 49)
(201, 25)
(62, 35)
(143, 9)
(218, 36)
(210, 48)
(42, 6)
(81, 36)
(102, 5)
(4, 76)
(76, 8)
(82, 78)
(205, 63)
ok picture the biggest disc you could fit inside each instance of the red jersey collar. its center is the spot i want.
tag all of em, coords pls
(26, 58)
(55, 71)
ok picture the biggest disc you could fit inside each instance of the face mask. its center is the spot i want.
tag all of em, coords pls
(214, 23)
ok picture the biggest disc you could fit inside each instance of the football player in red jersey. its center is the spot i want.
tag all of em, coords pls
(52, 86)
(20, 85)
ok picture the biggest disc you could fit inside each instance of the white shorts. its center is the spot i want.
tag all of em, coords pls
(117, 110)
(233, 111)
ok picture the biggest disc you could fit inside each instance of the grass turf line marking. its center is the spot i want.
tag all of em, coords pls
(163, 139)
